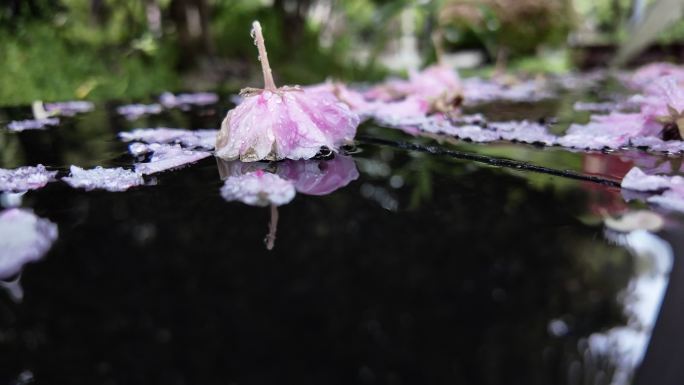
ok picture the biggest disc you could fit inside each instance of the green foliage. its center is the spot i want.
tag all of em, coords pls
(41, 65)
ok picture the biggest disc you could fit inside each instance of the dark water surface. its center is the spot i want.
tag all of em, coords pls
(427, 269)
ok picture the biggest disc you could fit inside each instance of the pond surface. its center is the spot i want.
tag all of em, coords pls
(444, 262)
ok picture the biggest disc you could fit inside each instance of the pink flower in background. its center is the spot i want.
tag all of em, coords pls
(283, 123)
(354, 99)
(604, 131)
(647, 74)
(437, 86)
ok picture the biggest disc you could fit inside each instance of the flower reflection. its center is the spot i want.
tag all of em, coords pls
(276, 183)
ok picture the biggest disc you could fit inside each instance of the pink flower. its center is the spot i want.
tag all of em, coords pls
(354, 99)
(438, 86)
(283, 123)
(647, 74)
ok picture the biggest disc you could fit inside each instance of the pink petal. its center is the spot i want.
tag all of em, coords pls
(286, 124)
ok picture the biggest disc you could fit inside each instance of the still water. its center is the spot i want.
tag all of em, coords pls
(428, 262)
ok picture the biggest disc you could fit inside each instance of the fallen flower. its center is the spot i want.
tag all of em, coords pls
(166, 157)
(25, 178)
(24, 238)
(283, 123)
(110, 179)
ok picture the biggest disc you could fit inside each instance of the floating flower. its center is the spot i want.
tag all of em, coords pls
(24, 238)
(283, 123)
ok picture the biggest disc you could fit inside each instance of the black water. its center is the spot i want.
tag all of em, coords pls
(428, 269)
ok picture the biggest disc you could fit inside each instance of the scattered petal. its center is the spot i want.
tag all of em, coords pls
(24, 238)
(170, 100)
(604, 131)
(69, 108)
(203, 139)
(166, 157)
(25, 178)
(32, 124)
(134, 111)
(110, 179)
(637, 180)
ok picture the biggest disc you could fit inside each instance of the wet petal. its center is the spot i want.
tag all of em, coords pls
(24, 238)
(32, 124)
(166, 157)
(110, 179)
(25, 178)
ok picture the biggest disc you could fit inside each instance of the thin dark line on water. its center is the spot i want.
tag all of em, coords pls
(500, 162)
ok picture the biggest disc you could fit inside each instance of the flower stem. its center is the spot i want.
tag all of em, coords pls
(269, 84)
(272, 227)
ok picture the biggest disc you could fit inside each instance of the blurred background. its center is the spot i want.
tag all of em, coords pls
(105, 49)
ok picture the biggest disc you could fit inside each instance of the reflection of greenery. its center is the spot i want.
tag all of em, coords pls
(10, 151)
